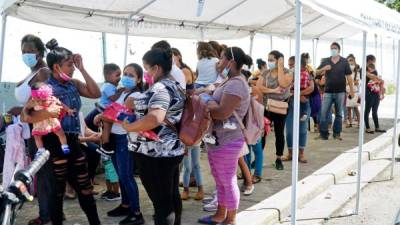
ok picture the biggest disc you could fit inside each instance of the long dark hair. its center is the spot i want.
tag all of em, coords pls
(239, 56)
(160, 57)
(139, 71)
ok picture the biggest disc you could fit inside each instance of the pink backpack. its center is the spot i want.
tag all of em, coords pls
(253, 126)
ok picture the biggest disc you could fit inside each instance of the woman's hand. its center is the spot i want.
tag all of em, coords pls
(97, 119)
(303, 99)
(77, 58)
(129, 103)
(92, 138)
(277, 90)
(281, 63)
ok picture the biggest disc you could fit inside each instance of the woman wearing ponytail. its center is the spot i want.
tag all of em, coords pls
(233, 96)
(160, 109)
(70, 166)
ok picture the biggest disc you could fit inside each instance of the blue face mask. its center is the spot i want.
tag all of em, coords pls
(128, 82)
(334, 52)
(29, 59)
(271, 65)
(225, 72)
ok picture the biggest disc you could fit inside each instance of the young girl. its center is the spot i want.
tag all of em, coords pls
(42, 94)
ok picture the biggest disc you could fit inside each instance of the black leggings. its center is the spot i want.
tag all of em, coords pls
(279, 130)
(372, 101)
(160, 178)
(92, 158)
(71, 168)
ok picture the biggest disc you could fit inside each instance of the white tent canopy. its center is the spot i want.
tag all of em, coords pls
(219, 19)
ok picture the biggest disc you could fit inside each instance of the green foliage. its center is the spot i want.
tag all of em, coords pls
(395, 5)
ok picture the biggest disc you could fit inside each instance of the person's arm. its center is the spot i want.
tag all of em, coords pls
(260, 84)
(153, 119)
(188, 75)
(90, 88)
(350, 82)
(225, 109)
(116, 96)
(285, 79)
(308, 90)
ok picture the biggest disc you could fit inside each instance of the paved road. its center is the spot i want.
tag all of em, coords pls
(319, 153)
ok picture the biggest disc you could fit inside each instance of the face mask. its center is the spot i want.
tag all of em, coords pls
(225, 72)
(29, 59)
(352, 67)
(148, 79)
(334, 52)
(271, 65)
(63, 75)
(128, 82)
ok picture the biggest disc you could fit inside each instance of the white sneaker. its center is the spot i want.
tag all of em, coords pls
(209, 199)
(249, 190)
(212, 206)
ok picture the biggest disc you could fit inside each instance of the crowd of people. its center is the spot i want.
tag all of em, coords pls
(144, 140)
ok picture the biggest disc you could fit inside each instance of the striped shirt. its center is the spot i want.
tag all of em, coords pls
(165, 95)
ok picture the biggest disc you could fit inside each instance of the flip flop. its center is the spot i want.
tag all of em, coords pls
(208, 220)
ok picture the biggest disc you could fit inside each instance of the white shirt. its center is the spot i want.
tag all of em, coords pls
(207, 71)
(117, 127)
(178, 75)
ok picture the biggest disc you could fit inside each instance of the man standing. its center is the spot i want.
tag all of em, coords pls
(337, 70)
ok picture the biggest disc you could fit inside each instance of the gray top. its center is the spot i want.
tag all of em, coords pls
(272, 83)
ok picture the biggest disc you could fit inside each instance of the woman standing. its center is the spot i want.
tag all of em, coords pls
(233, 96)
(67, 167)
(304, 95)
(191, 160)
(158, 162)
(33, 51)
(275, 83)
(352, 102)
(123, 160)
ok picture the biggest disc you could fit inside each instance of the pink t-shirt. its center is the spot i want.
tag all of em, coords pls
(235, 86)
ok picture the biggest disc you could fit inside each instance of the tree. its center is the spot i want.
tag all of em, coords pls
(394, 5)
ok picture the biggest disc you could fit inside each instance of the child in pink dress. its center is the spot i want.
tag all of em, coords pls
(42, 95)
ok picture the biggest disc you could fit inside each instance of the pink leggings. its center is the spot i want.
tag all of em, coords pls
(223, 162)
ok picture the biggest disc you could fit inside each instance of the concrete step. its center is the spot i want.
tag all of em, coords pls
(275, 208)
(331, 200)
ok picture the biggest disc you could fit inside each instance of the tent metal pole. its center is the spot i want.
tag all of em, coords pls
(126, 41)
(342, 45)
(252, 34)
(396, 115)
(315, 53)
(362, 123)
(104, 47)
(296, 108)
(394, 59)
(270, 42)
(381, 54)
(376, 44)
(2, 41)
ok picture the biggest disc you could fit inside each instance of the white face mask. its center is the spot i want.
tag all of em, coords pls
(352, 67)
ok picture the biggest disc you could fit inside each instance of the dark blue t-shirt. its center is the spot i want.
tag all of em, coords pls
(335, 78)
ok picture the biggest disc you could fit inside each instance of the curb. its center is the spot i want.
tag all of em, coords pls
(273, 209)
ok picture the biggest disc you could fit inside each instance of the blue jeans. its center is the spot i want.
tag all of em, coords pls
(192, 161)
(259, 158)
(124, 163)
(336, 99)
(302, 129)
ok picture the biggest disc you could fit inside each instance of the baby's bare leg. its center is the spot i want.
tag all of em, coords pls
(38, 141)
(105, 135)
(61, 136)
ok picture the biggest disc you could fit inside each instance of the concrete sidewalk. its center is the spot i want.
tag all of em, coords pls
(318, 153)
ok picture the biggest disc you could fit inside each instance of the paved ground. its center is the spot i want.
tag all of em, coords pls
(319, 153)
(380, 203)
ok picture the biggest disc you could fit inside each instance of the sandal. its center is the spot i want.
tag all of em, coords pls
(380, 131)
(208, 220)
(256, 179)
